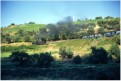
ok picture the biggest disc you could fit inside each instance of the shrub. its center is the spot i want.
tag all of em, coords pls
(45, 59)
(64, 53)
(43, 40)
(101, 30)
(69, 54)
(34, 58)
(98, 56)
(27, 38)
(8, 39)
(19, 58)
(77, 59)
(21, 32)
(116, 39)
(40, 42)
(90, 30)
(114, 52)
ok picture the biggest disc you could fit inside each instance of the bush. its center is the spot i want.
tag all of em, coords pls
(27, 38)
(77, 59)
(98, 56)
(116, 39)
(90, 30)
(40, 42)
(64, 53)
(101, 30)
(114, 52)
(8, 39)
(34, 58)
(19, 58)
(69, 54)
(45, 59)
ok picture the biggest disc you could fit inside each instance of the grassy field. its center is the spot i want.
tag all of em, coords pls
(78, 46)
(35, 27)
(25, 27)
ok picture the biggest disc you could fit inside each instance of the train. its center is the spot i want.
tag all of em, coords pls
(107, 34)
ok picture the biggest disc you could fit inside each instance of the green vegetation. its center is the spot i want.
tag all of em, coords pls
(98, 56)
(63, 70)
(19, 58)
(17, 48)
(116, 39)
(69, 50)
(78, 46)
(45, 60)
(64, 53)
(77, 59)
(62, 30)
(25, 27)
(114, 52)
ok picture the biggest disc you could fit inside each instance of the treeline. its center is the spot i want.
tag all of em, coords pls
(63, 30)
(67, 29)
(20, 36)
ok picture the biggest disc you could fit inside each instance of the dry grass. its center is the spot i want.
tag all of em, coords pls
(77, 46)
(96, 28)
(17, 44)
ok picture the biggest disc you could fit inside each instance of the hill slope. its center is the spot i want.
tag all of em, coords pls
(25, 27)
(78, 46)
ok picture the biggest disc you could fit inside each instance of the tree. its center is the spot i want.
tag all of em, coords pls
(114, 52)
(41, 36)
(31, 23)
(34, 58)
(19, 58)
(43, 40)
(108, 17)
(21, 32)
(65, 54)
(27, 38)
(90, 31)
(101, 30)
(117, 27)
(77, 60)
(12, 23)
(8, 39)
(99, 17)
(68, 19)
(116, 39)
(69, 54)
(98, 56)
(17, 38)
(91, 25)
(40, 41)
(45, 60)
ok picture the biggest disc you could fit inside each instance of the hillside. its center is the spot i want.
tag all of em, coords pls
(78, 46)
(66, 33)
(25, 27)
(36, 27)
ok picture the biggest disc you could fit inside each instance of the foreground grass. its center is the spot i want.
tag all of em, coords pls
(70, 72)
